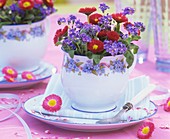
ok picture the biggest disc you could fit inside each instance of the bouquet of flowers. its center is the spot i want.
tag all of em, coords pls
(24, 11)
(102, 35)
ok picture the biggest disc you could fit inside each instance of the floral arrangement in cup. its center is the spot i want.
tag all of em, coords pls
(24, 11)
(102, 35)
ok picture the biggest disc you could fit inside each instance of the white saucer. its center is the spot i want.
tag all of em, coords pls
(80, 124)
(43, 72)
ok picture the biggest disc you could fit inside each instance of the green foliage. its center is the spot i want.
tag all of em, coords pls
(13, 15)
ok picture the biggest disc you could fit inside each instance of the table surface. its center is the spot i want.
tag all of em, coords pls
(13, 129)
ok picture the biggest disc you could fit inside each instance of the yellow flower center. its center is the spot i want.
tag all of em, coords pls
(27, 4)
(145, 130)
(95, 19)
(10, 71)
(169, 103)
(48, 1)
(29, 76)
(95, 47)
(0, 4)
(52, 102)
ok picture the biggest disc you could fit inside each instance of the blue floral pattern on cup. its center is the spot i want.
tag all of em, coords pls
(21, 35)
(76, 66)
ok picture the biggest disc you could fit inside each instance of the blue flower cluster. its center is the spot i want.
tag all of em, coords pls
(105, 22)
(128, 10)
(98, 69)
(90, 29)
(71, 65)
(114, 48)
(37, 31)
(134, 29)
(117, 66)
(67, 42)
(15, 8)
(103, 7)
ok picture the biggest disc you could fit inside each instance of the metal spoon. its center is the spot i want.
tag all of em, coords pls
(129, 105)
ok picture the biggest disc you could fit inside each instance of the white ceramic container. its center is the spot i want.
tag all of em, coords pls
(23, 46)
(94, 88)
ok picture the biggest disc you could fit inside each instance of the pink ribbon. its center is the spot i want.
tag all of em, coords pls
(8, 105)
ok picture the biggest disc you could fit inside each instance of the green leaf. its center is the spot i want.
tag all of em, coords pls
(129, 58)
(96, 58)
(136, 38)
(5, 23)
(89, 54)
(134, 48)
(29, 17)
(58, 43)
(71, 53)
(17, 19)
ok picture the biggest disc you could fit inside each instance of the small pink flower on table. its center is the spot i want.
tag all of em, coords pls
(146, 130)
(167, 105)
(28, 75)
(52, 103)
(9, 71)
(9, 78)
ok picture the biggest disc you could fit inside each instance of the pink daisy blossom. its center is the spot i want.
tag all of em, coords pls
(167, 105)
(146, 130)
(9, 78)
(52, 103)
(28, 75)
(9, 71)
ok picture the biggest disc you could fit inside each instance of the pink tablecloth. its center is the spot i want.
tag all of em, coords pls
(13, 129)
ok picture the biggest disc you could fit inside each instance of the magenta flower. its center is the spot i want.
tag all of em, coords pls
(52, 103)
(146, 130)
(9, 71)
(9, 78)
(167, 105)
(28, 75)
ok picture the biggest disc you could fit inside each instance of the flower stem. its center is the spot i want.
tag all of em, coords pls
(88, 20)
(118, 27)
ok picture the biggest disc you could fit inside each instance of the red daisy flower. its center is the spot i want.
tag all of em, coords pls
(113, 35)
(9, 78)
(38, 2)
(9, 71)
(102, 33)
(26, 4)
(52, 103)
(28, 75)
(64, 31)
(94, 18)
(87, 11)
(95, 46)
(119, 17)
(2, 3)
(48, 3)
(146, 130)
(167, 105)
(59, 33)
